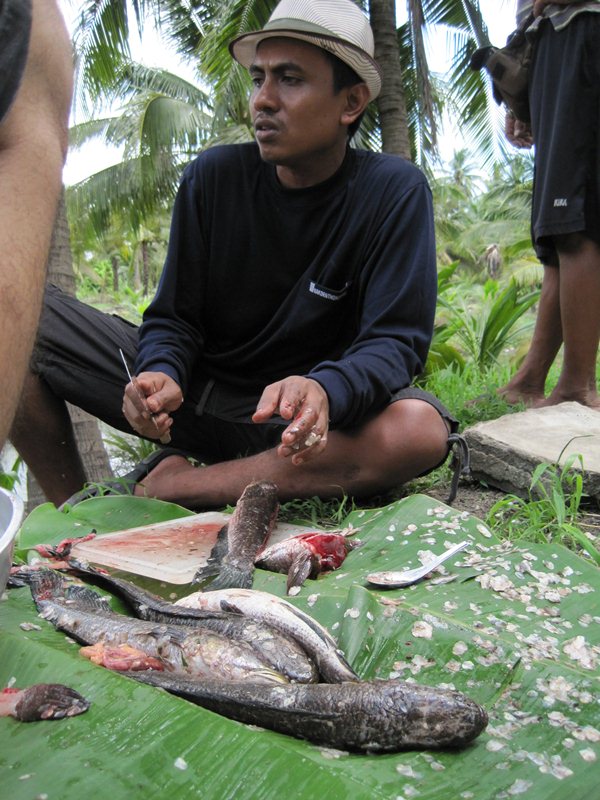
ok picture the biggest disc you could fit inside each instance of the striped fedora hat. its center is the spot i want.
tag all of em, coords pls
(338, 26)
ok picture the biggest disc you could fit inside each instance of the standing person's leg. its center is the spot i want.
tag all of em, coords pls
(528, 383)
(75, 359)
(33, 146)
(565, 107)
(580, 313)
(43, 436)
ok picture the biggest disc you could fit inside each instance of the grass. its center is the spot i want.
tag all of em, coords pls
(551, 513)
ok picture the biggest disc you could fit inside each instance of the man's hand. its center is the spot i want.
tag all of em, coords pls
(305, 402)
(518, 133)
(147, 401)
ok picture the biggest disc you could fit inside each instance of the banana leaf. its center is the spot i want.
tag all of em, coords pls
(515, 626)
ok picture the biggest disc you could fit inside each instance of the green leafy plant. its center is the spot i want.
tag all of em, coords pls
(126, 451)
(441, 352)
(486, 331)
(470, 392)
(551, 512)
(8, 480)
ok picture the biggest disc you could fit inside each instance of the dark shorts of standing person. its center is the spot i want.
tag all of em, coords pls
(565, 120)
(77, 354)
(15, 28)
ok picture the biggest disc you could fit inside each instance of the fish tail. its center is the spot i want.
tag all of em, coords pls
(47, 584)
(232, 577)
(215, 559)
(205, 572)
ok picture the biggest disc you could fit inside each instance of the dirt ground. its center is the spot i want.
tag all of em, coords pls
(478, 499)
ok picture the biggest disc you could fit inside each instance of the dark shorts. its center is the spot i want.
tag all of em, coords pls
(15, 27)
(77, 354)
(565, 119)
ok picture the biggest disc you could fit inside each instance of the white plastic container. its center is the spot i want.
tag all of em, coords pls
(11, 516)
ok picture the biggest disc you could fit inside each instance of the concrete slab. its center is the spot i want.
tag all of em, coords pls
(506, 451)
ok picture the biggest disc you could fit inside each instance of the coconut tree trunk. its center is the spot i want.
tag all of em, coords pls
(145, 268)
(391, 103)
(114, 263)
(87, 430)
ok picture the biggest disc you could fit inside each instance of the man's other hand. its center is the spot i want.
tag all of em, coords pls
(305, 403)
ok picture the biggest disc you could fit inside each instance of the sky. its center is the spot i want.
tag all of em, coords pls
(499, 16)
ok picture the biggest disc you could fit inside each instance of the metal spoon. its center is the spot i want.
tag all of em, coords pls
(391, 580)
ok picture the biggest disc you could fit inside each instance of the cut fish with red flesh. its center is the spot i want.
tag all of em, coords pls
(306, 556)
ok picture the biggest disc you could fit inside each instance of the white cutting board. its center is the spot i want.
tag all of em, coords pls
(169, 551)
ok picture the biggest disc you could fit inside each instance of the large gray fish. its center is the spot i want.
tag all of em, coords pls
(274, 648)
(372, 716)
(87, 617)
(232, 557)
(283, 616)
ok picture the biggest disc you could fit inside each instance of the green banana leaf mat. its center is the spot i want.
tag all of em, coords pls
(516, 627)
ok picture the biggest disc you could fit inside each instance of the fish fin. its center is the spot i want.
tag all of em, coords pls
(231, 577)
(301, 567)
(215, 559)
(230, 607)
(86, 599)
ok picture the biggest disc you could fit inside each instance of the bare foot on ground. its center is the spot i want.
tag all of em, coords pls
(514, 393)
(590, 399)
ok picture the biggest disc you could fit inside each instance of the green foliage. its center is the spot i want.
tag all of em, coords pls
(127, 451)
(487, 331)
(95, 278)
(316, 511)
(471, 392)
(474, 213)
(550, 513)
(10, 479)
(441, 352)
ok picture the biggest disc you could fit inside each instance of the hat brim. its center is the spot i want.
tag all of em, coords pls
(243, 50)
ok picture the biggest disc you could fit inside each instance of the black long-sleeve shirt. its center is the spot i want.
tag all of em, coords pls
(336, 282)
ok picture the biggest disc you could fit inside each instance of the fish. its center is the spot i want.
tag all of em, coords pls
(88, 618)
(316, 640)
(42, 701)
(246, 532)
(378, 716)
(306, 556)
(279, 651)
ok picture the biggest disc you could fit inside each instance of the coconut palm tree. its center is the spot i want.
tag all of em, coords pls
(201, 30)
(163, 120)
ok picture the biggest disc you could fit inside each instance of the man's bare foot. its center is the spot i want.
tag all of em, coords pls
(588, 398)
(514, 394)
